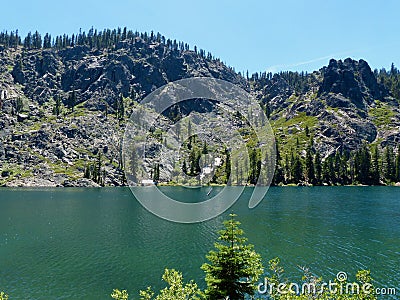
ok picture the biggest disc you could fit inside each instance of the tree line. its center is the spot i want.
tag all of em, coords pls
(296, 81)
(390, 79)
(94, 39)
(369, 165)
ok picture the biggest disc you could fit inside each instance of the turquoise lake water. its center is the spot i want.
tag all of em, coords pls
(80, 243)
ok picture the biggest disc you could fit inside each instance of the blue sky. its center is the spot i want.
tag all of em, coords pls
(248, 35)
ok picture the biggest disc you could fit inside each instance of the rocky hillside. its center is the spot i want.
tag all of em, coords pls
(343, 105)
(63, 110)
(39, 147)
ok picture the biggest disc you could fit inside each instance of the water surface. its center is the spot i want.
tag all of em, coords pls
(80, 243)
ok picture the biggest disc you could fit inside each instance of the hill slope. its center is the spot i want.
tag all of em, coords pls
(63, 107)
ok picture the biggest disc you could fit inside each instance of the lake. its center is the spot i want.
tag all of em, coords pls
(80, 243)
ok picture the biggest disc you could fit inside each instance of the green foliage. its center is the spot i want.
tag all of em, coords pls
(177, 290)
(3, 296)
(234, 270)
(375, 172)
(19, 105)
(295, 80)
(255, 165)
(279, 171)
(106, 39)
(390, 79)
(184, 168)
(313, 287)
(381, 114)
(119, 108)
(389, 164)
(156, 173)
(94, 171)
(362, 166)
(228, 166)
(234, 266)
(397, 171)
(119, 295)
(57, 106)
(309, 164)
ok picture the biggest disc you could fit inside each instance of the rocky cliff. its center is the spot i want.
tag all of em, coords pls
(343, 105)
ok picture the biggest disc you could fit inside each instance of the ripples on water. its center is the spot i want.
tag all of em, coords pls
(82, 243)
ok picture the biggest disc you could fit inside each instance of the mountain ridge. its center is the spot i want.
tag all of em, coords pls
(343, 105)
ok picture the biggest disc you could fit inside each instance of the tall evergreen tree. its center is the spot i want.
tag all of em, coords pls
(362, 165)
(297, 170)
(255, 166)
(375, 174)
(234, 266)
(389, 164)
(328, 172)
(205, 149)
(156, 173)
(398, 164)
(228, 166)
(288, 173)
(184, 167)
(318, 168)
(120, 108)
(309, 164)
(57, 106)
(98, 171)
(279, 175)
(19, 105)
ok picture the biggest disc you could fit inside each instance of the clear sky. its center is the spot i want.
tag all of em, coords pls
(248, 35)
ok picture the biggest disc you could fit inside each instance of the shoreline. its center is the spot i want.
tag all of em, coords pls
(174, 186)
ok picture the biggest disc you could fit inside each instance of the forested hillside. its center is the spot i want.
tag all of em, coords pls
(65, 101)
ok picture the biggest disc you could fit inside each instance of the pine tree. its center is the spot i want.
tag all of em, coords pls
(19, 105)
(297, 170)
(255, 166)
(86, 173)
(328, 173)
(307, 130)
(398, 164)
(375, 174)
(197, 163)
(318, 168)
(336, 167)
(98, 171)
(228, 167)
(279, 175)
(343, 168)
(192, 161)
(57, 106)
(205, 149)
(156, 173)
(189, 131)
(120, 108)
(288, 174)
(234, 266)
(184, 167)
(310, 166)
(362, 165)
(389, 164)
